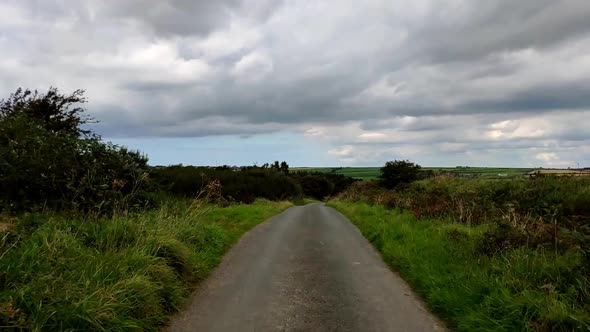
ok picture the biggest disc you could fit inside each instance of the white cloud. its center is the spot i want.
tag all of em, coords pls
(547, 157)
(552, 159)
(345, 151)
(314, 132)
(372, 136)
(524, 128)
(345, 154)
(253, 66)
(234, 39)
(13, 16)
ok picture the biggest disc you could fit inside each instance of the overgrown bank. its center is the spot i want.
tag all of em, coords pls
(115, 274)
(517, 289)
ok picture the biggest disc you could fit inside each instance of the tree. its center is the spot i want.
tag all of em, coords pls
(48, 161)
(399, 173)
(54, 111)
(316, 186)
(285, 167)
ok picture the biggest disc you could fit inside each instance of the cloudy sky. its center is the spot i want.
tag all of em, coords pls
(317, 83)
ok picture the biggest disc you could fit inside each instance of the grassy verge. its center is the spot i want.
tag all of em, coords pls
(118, 274)
(517, 290)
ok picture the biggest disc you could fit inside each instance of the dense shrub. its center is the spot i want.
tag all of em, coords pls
(48, 161)
(244, 184)
(549, 212)
(52, 110)
(316, 186)
(237, 184)
(399, 173)
(247, 185)
(565, 200)
(503, 237)
(321, 185)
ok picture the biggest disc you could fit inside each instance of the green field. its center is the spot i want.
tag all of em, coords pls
(364, 173)
(370, 173)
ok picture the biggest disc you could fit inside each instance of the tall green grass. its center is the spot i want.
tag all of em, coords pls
(517, 290)
(117, 274)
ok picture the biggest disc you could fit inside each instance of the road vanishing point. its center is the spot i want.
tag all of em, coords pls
(306, 269)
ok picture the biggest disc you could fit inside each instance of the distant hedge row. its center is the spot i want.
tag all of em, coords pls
(245, 184)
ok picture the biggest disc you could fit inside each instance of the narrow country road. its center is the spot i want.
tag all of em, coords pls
(307, 269)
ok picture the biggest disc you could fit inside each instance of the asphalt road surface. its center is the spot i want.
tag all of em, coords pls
(306, 269)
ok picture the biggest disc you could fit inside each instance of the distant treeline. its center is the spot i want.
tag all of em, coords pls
(50, 160)
(245, 184)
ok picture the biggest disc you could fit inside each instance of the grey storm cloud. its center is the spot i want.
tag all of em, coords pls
(186, 17)
(544, 97)
(464, 30)
(448, 72)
